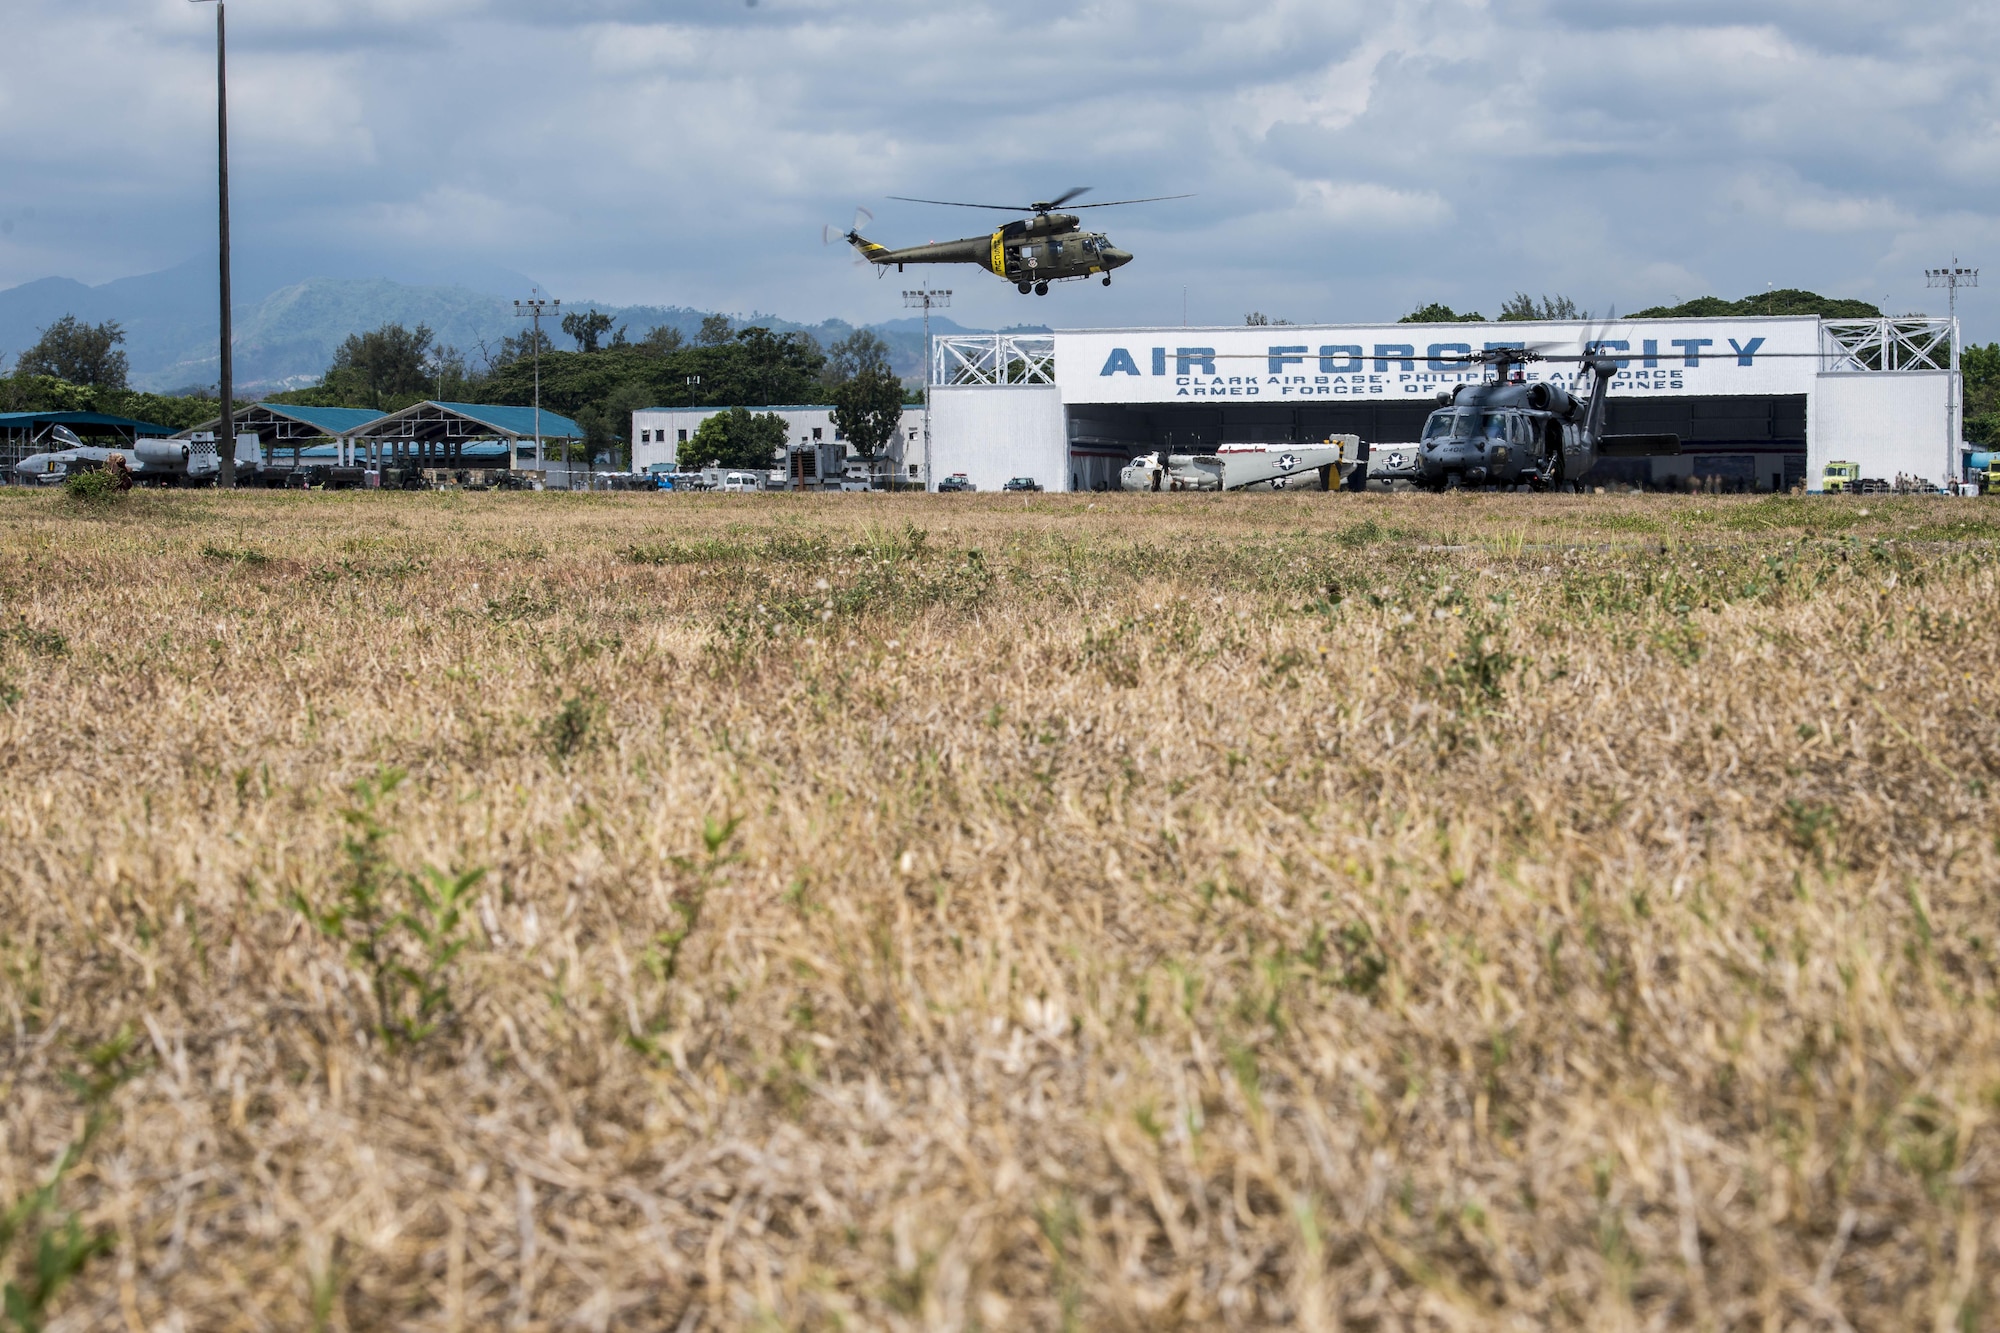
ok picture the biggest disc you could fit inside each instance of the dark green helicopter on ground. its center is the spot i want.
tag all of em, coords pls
(1507, 432)
(1030, 253)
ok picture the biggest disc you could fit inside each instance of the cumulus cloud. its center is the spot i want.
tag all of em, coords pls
(1350, 160)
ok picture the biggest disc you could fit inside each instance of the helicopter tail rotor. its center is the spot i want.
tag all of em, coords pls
(829, 234)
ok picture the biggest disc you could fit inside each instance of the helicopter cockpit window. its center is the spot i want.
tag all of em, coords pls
(1494, 427)
(1448, 424)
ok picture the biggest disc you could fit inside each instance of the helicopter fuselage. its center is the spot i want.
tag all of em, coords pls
(1507, 432)
(1496, 439)
(1030, 253)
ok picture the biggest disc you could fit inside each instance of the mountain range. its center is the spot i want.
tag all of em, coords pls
(287, 330)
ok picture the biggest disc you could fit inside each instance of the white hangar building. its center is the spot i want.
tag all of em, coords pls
(1761, 402)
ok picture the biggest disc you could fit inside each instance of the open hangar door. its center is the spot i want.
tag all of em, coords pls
(1105, 437)
(1751, 442)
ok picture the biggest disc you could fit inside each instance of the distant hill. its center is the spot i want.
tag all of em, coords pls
(1784, 301)
(286, 334)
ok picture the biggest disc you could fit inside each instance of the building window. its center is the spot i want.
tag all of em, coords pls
(645, 437)
(684, 437)
(816, 432)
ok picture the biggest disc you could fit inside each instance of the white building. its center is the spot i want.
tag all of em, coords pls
(1760, 403)
(658, 434)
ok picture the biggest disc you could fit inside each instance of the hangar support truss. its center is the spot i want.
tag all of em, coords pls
(994, 358)
(1914, 342)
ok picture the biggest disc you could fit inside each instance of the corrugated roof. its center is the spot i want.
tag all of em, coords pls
(75, 419)
(329, 421)
(517, 421)
(332, 420)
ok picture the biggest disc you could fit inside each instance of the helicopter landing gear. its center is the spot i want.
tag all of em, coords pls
(1107, 281)
(1024, 287)
(1041, 289)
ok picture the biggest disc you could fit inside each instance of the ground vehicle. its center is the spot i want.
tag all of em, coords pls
(739, 482)
(1841, 478)
(1021, 484)
(1989, 480)
(957, 481)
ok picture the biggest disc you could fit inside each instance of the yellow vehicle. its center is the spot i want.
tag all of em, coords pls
(1841, 479)
(1989, 480)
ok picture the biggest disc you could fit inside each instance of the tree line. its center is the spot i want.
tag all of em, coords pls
(78, 367)
(608, 375)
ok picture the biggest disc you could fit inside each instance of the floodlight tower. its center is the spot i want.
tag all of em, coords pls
(225, 445)
(534, 308)
(1951, 279)
(930, 298)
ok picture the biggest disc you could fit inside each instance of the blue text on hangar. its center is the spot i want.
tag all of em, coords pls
(1347, 358)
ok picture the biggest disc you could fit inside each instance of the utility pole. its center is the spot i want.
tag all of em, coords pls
(1951, 279)
(534, 308)
(929, 298)
(225, 444)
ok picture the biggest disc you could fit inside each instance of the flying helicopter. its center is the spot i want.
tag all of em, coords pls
(1031, 252)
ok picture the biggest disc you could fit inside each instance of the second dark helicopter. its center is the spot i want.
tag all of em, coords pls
(1031, 252)
(1509, 432)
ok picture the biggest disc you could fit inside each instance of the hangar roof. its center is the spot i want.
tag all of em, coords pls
(466, 421)
(81, 422)
(287, 422)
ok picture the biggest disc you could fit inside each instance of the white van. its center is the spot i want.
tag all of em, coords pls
(739, 481)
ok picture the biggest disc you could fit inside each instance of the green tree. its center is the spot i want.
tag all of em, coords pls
(737, 438)
(1521, 306)
(867, 408)
(587, 327)
(715, 331)
(1783, 301)
(860, 351)
(1435, 313)
(79, 353)
(662, 340)
(1981, 368)
(388, 368)
(1257, 319)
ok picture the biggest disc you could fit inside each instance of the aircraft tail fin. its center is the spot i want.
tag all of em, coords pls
(869, 250)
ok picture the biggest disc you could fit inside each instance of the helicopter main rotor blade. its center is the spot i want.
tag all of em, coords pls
(1118, 203)
(953, 203)
(1045, 207)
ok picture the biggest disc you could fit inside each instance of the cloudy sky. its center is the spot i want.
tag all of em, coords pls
(1349, 161)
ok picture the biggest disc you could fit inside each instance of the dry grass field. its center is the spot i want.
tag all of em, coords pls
(1115, 912)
